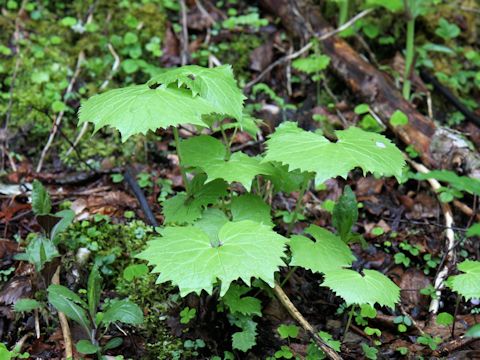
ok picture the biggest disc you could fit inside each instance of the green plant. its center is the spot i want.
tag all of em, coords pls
(468, 283)
(86, 314)
(431, 342)
(222, 236)
(15, 353)
(187, 315)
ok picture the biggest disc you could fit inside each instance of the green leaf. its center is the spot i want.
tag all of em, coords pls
(187, 314)
(135, 271)
(67, 217)
(26, 305)
(328, 338)
(138, 109)
(467, 284)
(288, 331)
(86, 347)
(216, 85)
(398, 118)
(473, 230)
(447, 30)
(312, 63)
(210, 155)
(237, 303)
(64, 300)
(246, 339)
(193, 260)
(391, 5)
(444, 318)
(41, 203)
(124, 311)
(345, 214)
(211, 222)
(113, 343)
(370, 288)
(284, 180)
(327, 252)
(94, 290)
(251, 207)
(185, 209)
(38, 252)
(461, 183)
(311, 152)
(474, 331)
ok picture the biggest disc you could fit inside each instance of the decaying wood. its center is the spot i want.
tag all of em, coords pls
(438, 147)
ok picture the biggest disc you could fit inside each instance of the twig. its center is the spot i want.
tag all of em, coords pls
(293, 311)
(453, 345)
(67, 337)
(306, 47)
(104, 85)
(137, 191)
(183, 13)
(450, 235)
(58, 119)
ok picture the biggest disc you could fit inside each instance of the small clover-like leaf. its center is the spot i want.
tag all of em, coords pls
(370, 288)
(467, 284)
(326, 253)
(307, 151)
(210, 155)
(194, 261)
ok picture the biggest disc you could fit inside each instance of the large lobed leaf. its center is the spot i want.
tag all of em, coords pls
(467, 284)
(184, 95)
(210, 154)
(327, 252)
(194, 261)
(370, 288)
(308, 151)
(216, 85)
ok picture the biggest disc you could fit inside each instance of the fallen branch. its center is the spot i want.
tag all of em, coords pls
(293, 311)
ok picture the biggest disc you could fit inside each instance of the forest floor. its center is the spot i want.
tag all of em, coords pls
(292, 67)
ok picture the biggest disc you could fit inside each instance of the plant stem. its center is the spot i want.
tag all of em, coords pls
(409, 57)
(182, 169)
(289, 274)
(343, 15)
(298, 205)
(457, 303)
(349, 322)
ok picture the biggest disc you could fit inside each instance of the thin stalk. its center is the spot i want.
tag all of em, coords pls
(457, 303)
(289, 274)
(343, 15)
(182, 169)
(410, 51)
(226, 142)
(298, 206)
(349, 322)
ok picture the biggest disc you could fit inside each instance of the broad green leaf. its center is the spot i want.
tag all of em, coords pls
(211, 222)
(192, 260)
(113, 343)
(284, 180)
(138, 109)
(327, 252)
(237, 303)
(38, 252)
(26, 305)
(444, 318)
(246, 339)
(251, 207)
(67, 217)
(467, 284)
(210, 155)
(94, 290)
(63, 300)
(308, 151)
(86, 347)
(134, 271)
(370, 288)
(215, 85)
(345, 213)
(124, 311)
(41, 203)
(461, 183)
(185, 209)
(473, 230)
(391, 5)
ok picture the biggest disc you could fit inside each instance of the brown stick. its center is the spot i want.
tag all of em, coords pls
(293, 311)
(67, 336)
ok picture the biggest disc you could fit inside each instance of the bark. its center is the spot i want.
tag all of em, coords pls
(439, 147)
